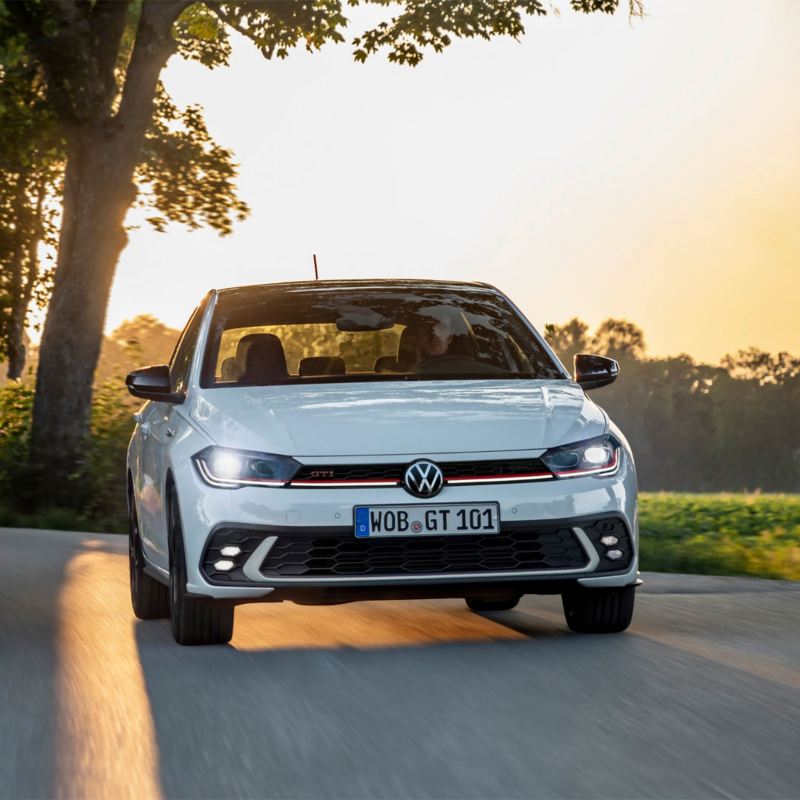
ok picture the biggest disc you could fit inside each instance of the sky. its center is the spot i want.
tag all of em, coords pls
(599, 167)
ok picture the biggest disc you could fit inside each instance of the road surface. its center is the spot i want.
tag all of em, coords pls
(700, 698)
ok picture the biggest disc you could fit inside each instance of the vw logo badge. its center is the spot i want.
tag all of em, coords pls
(423, 479)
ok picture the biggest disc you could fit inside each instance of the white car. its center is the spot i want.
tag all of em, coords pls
(333, 441)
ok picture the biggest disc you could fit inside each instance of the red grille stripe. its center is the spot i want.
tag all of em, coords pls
(324, 481)
(498, 478)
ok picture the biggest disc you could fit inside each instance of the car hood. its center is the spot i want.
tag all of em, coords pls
(398, 418)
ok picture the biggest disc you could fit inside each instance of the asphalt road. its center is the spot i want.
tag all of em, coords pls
(700, 698)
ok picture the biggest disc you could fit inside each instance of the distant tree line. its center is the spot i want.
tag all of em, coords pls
(697, 427)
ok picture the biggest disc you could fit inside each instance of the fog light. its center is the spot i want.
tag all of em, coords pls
(614, 554)
(224, 565)
(606, 540)
(232, 550)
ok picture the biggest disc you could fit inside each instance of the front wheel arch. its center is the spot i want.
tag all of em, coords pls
(170, 493)
(131, 496)
(194, 620)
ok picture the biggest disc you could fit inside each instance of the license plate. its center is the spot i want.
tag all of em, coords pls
(433, 520)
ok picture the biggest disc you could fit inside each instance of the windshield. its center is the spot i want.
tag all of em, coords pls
(263, 336)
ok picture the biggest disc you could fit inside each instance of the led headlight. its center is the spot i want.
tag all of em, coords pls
(227, 468)
(598, 456)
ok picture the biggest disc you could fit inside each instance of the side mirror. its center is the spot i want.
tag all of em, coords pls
(153, 383)
(592, 372)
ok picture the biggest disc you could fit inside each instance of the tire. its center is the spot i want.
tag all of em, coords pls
(149, 597)
(599, 610)
(195, 620)
(498, 604)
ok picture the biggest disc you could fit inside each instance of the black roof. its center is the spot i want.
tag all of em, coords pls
(361, 283)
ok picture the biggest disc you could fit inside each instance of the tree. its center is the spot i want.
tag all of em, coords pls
(136, 342)
(102, 62)
(755, 364)
(619, 339)
(568, 339)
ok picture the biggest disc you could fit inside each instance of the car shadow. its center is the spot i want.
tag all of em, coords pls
(441, 711)
(425, 699)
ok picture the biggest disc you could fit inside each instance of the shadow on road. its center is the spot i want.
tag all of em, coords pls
(442, 718)
(506, 705)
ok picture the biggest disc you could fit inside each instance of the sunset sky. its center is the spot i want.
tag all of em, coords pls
(647, 170)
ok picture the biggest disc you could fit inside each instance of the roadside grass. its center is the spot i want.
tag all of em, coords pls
(712, 534)
(720, 534)
(56, 519)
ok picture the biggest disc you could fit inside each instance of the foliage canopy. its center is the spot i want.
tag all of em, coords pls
(182, 176)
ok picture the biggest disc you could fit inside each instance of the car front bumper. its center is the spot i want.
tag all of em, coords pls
(262, 514)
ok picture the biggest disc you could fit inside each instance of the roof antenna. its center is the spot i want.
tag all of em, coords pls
(316, 271)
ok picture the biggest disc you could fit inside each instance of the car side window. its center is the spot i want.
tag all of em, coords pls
(181, 360)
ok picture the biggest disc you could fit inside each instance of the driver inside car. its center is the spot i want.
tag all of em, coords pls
(434, 339)
(443, 344)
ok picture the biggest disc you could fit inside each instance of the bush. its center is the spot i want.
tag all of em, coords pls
(721, 534)
(16, 407)
(112, 426)
(103, 471)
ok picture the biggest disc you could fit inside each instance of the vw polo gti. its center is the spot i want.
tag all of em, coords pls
(336, 441)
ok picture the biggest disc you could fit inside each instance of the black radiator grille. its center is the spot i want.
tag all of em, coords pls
(394, 472)
(350, 472)
(331, 556)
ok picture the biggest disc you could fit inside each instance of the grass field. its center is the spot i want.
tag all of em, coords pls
(721, 534)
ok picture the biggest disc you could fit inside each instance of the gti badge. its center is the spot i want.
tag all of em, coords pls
(423, 479)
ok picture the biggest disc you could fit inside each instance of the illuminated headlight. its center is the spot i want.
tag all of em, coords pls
(598, 456)
(227, 468)
(225, 464)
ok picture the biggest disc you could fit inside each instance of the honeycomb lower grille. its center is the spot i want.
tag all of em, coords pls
(330, 556)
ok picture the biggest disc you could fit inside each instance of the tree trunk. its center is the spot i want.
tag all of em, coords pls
(16, 346)
(22, 286)
(15, 329)
(98, 191)
(17, 352)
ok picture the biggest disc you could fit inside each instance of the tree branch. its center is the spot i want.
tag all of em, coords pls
(152, 48)
(77, 55)
(226, 19)
(107, 26)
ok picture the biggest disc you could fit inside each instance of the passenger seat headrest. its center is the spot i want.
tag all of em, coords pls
(385, 364)
(264, 359)
(227, 370)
